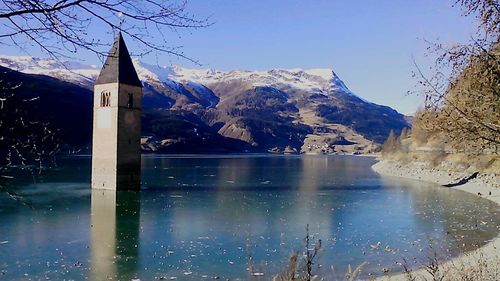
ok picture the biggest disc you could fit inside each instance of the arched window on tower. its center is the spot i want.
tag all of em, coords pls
(105, 99)
(130, 103)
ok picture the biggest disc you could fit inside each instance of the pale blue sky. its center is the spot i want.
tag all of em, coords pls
(368, 43)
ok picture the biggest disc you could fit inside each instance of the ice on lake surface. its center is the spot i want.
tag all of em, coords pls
(201, 217)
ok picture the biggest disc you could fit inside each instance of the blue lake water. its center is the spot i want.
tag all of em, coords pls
(205, 217)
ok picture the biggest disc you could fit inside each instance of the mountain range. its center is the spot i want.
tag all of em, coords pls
(206, 110)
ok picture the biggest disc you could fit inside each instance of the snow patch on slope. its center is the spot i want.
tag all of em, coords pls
(318, 80)
(69, 71)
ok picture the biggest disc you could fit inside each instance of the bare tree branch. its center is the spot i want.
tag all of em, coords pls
(60, 28)
(462, 97)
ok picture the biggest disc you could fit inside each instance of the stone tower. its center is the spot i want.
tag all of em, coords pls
(116, 150)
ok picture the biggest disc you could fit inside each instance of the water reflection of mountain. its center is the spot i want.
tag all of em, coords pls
(195, 215)
(114, 240)
(267, 199)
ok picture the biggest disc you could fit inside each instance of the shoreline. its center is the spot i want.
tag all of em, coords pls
(480, 186)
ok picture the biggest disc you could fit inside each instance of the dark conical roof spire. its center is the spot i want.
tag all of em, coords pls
(118, 67)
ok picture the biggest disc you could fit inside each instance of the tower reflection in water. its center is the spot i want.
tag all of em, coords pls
(115, 221)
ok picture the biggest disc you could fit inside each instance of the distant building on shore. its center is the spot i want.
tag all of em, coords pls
(116, 150)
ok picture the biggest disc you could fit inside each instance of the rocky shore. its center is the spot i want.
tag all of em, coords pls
(442, 174)
(484, 185)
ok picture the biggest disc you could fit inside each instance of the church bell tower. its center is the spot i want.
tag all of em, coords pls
(116, 149)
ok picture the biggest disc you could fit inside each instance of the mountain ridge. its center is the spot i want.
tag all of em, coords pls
(155, 73)
(278, 110)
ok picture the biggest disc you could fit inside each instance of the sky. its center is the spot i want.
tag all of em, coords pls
(369, 44)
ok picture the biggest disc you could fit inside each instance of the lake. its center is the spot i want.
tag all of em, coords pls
(210, 217)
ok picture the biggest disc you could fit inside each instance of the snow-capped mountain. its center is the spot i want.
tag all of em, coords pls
(69, 71)
(314, 80)
(291, 110)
